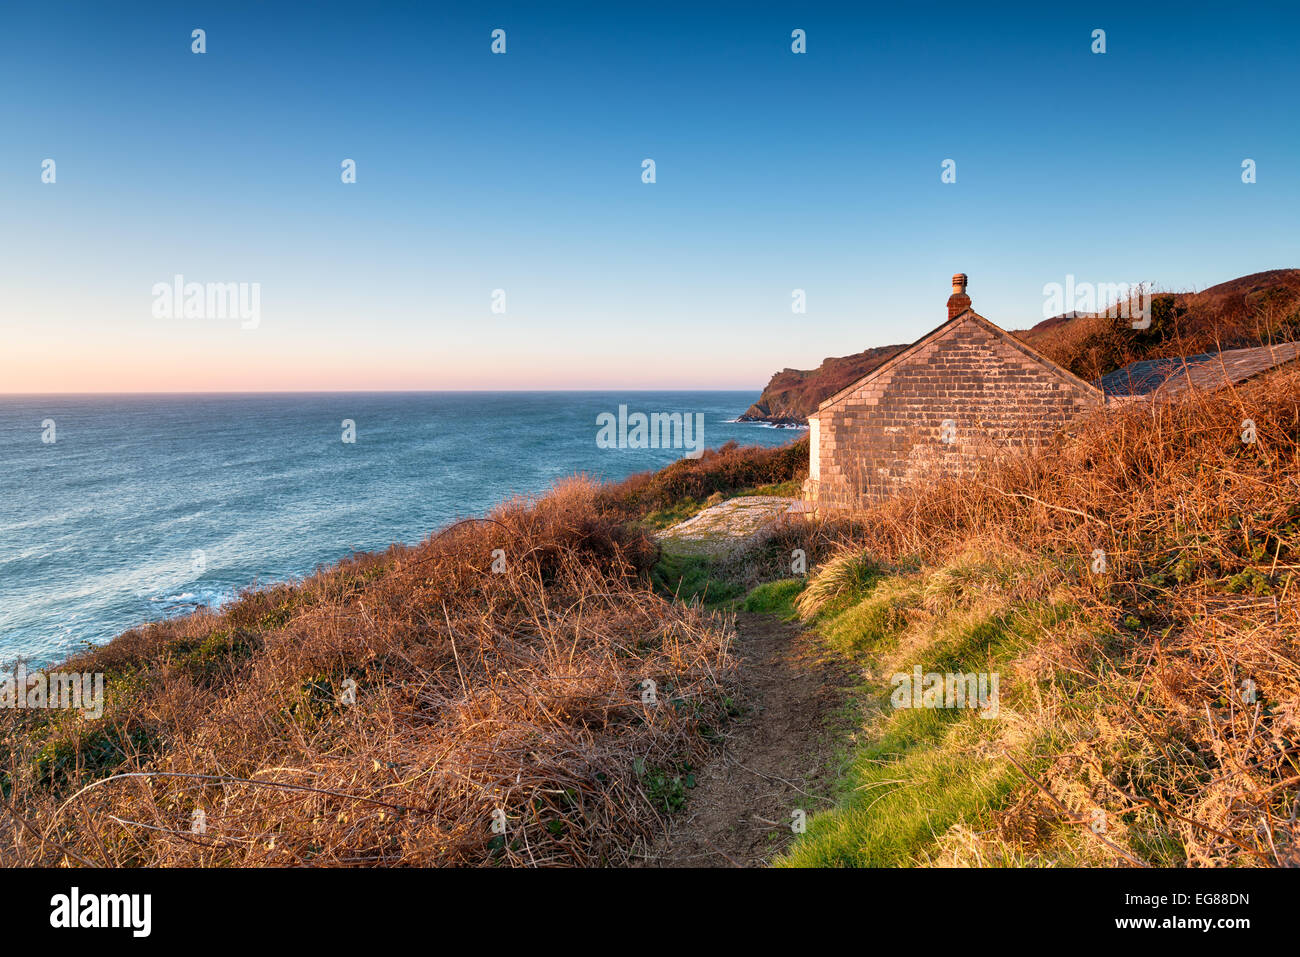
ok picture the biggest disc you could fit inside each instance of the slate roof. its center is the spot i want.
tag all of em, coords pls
(1211, 370)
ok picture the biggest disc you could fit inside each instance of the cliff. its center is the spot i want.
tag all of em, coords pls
(794, 393)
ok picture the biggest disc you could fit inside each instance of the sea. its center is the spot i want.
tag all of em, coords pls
(122, 509)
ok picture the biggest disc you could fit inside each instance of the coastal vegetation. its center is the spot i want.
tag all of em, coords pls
(1135, 588)
(512, 691)
(409, 707)
(547, 685)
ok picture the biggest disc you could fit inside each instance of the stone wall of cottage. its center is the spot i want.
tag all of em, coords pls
(960, 399)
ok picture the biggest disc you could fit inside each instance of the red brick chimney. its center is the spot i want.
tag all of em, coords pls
(958, 302)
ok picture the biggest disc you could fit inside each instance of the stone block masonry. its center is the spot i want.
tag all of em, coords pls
(966, 392)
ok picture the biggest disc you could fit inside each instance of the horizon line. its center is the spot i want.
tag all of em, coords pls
(371, 391)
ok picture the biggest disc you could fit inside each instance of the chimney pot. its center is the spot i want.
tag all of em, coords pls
(958, 302)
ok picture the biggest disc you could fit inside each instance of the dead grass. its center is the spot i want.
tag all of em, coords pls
(1171, 701)
(1250, 311)
(477, 694)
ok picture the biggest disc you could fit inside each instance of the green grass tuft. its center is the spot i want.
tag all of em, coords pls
(690, 577)
(776, 598)
(913, 775)
(904, 790)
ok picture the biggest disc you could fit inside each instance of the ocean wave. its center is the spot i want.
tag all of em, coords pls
(767, 425)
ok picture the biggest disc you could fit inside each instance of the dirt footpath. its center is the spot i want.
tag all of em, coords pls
(774, 759)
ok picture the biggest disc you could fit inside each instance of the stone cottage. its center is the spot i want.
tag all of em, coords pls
(966, 391)
(969, 391)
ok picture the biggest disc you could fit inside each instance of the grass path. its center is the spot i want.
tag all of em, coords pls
(776, 758)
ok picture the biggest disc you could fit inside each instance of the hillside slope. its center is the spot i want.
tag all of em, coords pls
(477, 699)
(1252, 310)
(1129, 596)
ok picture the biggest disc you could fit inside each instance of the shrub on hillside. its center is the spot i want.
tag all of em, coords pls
(726, 470)
(476, 699)
(1252, 311)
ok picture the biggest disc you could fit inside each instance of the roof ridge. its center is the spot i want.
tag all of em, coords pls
(966, 315)
(894, 359)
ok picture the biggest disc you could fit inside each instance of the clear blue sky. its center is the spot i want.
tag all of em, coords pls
(475, 172)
